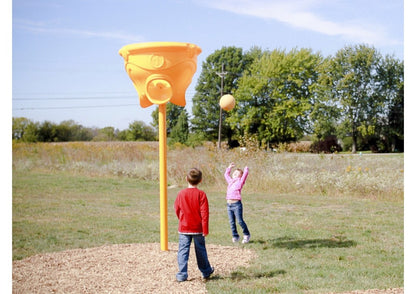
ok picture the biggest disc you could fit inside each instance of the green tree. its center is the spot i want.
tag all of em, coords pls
(48, 132)
(205, 108)
(274, 98)
(24, 129)
(105, 134)
(31, 133)
(84, 134)
(351, 82)
(28, 131)
(180, 131)
(69, 130)
(64, 131)
(122, 135)
(172, 114)
(391, 87)
(19, 125)
(139, 131)
(325, 114)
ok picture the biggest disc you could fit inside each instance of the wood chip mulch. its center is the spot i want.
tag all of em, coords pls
(129, 268)
(124, 268)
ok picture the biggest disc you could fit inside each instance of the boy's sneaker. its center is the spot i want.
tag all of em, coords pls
(236, 239)
(246, 239)
(212, 271)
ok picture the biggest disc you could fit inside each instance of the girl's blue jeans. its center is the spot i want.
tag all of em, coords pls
(235, 211)
(200, 252)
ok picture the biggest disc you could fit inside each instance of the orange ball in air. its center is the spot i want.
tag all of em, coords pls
(227, 102)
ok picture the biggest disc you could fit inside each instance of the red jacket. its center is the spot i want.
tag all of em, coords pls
(192, 210)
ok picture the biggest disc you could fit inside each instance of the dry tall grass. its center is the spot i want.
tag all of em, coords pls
(368, 175)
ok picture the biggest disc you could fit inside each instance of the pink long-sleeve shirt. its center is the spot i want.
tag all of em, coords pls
(235, 185)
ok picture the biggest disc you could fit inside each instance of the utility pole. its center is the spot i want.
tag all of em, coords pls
(222, 75)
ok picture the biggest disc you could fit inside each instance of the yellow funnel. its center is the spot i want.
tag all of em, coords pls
(161, 71)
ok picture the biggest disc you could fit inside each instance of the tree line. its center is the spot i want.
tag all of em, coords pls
(26, 130)
(354, 99)
(355, 96)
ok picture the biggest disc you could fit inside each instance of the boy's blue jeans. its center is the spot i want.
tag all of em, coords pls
(200, 252)
(235, 211)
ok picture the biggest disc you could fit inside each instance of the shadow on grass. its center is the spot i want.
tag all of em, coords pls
(237, 275)
(287, 243)
(291, 243)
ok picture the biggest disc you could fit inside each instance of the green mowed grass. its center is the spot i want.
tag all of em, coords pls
(304, 243)
(319, 244)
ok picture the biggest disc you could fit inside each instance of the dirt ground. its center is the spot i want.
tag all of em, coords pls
(126, 268)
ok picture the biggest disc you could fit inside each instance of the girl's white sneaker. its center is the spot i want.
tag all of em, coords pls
(246, 239)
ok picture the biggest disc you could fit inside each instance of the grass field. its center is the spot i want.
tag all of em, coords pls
(319, 223)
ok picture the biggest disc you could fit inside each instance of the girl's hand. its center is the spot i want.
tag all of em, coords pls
(231, 165)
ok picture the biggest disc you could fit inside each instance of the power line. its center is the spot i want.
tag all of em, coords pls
(74, 107)
(80, 98)
(74, 98)
(86, 98)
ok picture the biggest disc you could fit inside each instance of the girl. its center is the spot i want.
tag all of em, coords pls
(234, 204)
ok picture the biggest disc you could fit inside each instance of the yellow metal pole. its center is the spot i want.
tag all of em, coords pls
(163, 179)
(158, 70)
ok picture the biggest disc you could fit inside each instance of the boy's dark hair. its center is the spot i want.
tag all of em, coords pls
(194, 176)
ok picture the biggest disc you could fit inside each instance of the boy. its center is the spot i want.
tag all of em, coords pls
(192, 210)
(234, 204)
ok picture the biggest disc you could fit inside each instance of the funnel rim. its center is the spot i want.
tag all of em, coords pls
(158, 46)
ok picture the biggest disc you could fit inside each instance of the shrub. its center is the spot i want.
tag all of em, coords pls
(296, 147)
(328, 145)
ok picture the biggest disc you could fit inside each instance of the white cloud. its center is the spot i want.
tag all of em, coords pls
(302, 14)
(42, 27)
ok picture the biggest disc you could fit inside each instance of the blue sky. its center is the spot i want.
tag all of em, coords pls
(65, 62)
